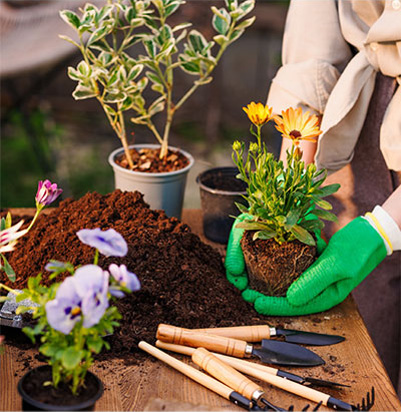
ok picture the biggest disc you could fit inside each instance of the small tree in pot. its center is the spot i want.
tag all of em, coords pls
(117, 80)
(285, 203)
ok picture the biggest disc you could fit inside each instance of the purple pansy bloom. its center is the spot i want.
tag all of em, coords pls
(108, 242)
(92, 286)
(125, 278)
(82, 295)
(47, 193)
(66, 310)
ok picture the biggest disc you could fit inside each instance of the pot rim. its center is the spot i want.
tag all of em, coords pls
(115, 152)
(51, 407)
(218, 191)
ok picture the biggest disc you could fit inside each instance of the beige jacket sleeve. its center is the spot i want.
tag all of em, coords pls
(314, 54)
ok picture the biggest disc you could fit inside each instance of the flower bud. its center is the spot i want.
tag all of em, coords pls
(47, 193)
(253, 147)
(237, 146)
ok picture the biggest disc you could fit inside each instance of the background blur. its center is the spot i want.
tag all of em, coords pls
(45, 133)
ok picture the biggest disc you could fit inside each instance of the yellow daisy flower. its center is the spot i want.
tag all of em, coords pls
(258, 113)
(297, 126)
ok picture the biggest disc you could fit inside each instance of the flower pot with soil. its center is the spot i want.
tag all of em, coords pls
(161, 189)
(118, 80)
(220, 190)
(37, 395)
(72, 319)
(283, 218)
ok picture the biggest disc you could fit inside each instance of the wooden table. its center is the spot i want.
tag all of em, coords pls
(354, 362)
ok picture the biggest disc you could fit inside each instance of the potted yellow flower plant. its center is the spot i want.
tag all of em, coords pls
(110, 73)
(283, 217)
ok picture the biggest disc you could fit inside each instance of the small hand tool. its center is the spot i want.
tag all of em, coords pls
(231, 377)
(257, 333)
(265, 374)
(280, 353)
(307, 381)
(200, 377)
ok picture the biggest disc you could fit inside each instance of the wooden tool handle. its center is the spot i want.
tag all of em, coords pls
(186, 337)
(248, 333)
(226, 374)
(262, 372)
(198, 376)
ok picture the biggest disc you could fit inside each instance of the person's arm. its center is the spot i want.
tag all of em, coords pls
(393, 206)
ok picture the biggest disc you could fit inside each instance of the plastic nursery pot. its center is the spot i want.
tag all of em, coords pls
(219, 191)
(161, 190)
(31, 389)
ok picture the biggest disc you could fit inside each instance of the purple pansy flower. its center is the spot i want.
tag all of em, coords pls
(108, 242)
(125, 278)
(91, 283)
(47, 193)
(66, 310)
(82, 295)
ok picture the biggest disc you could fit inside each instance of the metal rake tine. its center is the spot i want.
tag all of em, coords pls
(269, 405)
(370, 400)
(314, 409)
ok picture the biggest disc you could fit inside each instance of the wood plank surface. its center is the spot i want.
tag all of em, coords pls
(155, 386)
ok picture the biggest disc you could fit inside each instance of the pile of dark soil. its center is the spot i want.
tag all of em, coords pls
(183, 280)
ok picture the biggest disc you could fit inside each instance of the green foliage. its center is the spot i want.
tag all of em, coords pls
(117, 80)
(70, 356)
(285, 203)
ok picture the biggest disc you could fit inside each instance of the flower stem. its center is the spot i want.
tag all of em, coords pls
(96, 258)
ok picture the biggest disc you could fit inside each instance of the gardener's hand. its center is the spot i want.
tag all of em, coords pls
(352, 253)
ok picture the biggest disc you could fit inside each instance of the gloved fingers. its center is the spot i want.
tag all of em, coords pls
(320, 244)
(251, 295)
(234, 261)
(274, 306)
(240, 282)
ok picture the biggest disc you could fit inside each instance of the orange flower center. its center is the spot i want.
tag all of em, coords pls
(295, 134)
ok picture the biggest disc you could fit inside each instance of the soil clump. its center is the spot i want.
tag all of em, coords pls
(148, 161)
(272, 267)
(183, 281)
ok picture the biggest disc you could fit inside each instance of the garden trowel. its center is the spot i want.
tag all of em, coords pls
(257, 333)
(274, 352)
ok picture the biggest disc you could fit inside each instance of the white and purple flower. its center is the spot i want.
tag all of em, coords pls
(83, 295)
(124, 278)
(108, 242)
(9, 236)
(47, 193)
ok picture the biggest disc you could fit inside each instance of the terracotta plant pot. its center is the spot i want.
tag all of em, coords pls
(271, 267)
(162, 191)
(219, 191)
(36, 397)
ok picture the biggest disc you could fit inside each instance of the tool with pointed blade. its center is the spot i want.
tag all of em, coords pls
(257, 333)
(280, 353)
(307, 381)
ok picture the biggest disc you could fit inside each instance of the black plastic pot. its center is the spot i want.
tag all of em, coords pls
(219, 191)
(29, 403)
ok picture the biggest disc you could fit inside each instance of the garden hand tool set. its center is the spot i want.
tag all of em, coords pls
(281, 353)
(227, 368)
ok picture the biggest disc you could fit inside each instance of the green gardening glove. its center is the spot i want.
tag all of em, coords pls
(352, 253)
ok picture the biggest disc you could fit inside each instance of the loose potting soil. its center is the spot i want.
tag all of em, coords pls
(182, 279)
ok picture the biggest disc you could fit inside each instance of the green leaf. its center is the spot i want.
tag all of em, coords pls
(157, 106)
(292, 218)
(150, 47)
(235, 35)
(94, 344)
(82, 92)
(328, 190)
(66, 38)
(70, 18)
(84, 69)
(197, 41)
(169, 10)
(246, 23)
(264, 235)
(221, 20)
(241, 207)
(3, 224)
(220, 39)
(8, 269)
(312, 225)
(247, 6)
(114, 96)
(99, 34)
(323, 204)
(71, 358)
(181, 26)
(303, 235)
(324, 214)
